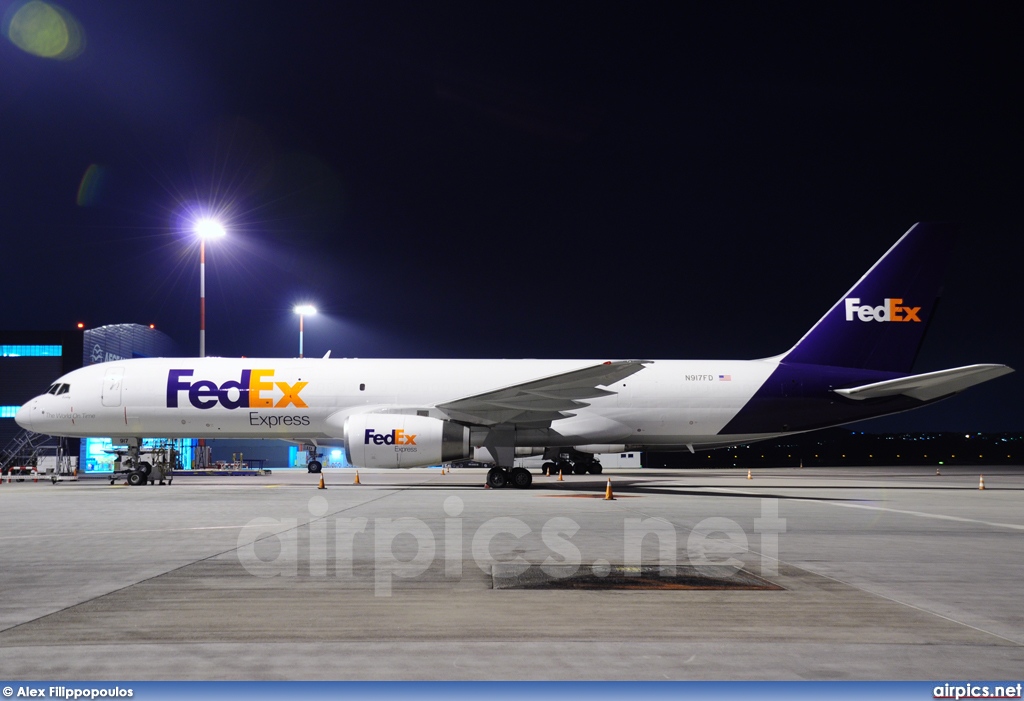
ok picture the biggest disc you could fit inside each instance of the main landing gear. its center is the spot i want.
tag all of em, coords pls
(518, 477)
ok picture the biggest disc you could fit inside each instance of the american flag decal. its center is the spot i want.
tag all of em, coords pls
(725, 378)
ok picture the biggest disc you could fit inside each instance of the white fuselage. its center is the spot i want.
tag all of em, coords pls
(668, 403)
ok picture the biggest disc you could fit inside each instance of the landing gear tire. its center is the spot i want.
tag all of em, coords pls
(595, 468)
(136, 478)
(497, 478)
(521, 478)
(314, 466)
(550, 469)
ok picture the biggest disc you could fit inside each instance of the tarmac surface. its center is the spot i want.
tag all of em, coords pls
(853, 573)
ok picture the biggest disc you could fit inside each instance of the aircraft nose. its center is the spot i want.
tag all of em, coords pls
(24, 416)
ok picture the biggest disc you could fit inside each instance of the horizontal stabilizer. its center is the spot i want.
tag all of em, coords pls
(930, 385)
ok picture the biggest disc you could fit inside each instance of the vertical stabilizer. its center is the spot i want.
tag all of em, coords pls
(880, 323)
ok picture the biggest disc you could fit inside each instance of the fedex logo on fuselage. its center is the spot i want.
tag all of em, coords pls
(890, 310)
(252, 390)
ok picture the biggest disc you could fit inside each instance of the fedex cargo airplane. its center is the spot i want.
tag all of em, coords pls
(854, 364)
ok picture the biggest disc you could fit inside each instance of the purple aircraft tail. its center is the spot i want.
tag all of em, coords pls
(880, 323)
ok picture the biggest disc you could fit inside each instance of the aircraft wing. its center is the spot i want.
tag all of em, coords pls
(930, 385)
(539, 402)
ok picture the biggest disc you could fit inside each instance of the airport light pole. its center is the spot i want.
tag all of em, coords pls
(205, 229)
(302, 310)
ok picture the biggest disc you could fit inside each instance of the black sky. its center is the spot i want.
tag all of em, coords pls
(516, 179)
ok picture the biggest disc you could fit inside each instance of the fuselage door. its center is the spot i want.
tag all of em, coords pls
(112, 382)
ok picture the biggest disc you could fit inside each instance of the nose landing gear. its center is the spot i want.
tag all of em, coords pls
(137, 471)
(313, 463)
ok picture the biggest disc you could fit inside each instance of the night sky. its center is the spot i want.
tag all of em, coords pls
(550, 180)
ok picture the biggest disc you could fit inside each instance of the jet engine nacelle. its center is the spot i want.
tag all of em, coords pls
(397, 440)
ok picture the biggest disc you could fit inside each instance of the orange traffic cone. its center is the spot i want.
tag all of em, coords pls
(356, 480)
(560, 475)
(608, 491)
(322, 485)
(981, 482)
(749, 476)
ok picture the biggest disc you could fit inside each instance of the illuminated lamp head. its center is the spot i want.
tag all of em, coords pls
(208, 228)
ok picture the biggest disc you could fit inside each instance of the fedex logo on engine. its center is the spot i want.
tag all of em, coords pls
(254, 389)
(890, 310)
(396, 437)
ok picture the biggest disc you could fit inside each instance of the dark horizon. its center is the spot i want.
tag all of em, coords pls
(842, 446)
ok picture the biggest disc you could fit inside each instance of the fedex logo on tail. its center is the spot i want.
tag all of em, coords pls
(890, 310)
(254, 389)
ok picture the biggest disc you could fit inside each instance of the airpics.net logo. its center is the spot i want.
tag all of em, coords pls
(383, 550)
(891, 309)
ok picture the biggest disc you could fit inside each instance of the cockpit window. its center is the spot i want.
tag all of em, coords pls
(53, 389)
(59, 388)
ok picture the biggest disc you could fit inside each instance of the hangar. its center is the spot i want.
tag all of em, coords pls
(30, 361)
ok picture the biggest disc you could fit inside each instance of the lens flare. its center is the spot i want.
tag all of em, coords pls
(90, 188)
(45, 30)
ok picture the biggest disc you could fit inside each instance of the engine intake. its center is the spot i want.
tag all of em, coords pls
(398, 440)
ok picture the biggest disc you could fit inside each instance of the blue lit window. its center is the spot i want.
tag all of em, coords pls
(98, 453)
(8, 412)
(26, 351)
